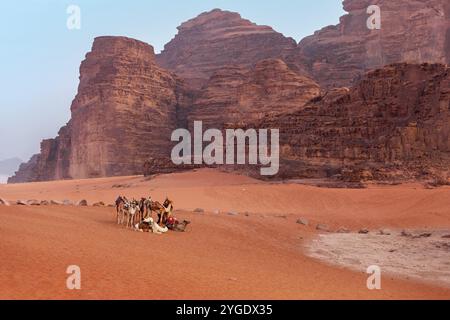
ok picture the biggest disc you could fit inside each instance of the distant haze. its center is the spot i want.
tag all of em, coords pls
(8, 167)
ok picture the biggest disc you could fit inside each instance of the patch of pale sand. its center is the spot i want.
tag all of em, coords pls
(421, 258)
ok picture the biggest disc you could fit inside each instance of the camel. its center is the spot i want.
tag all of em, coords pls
(174, 225)
(146, 207)
(132, 213)
(163, 211)
(120, 209)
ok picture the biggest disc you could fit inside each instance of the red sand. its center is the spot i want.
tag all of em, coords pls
(259, 256)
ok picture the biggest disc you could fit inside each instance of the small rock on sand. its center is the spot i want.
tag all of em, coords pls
(44, 203)
(406, 234)
(199, 210)
(82, 203)
(423, 235)
(33, 203)
(384, 232)
(56, 203)
(303, 221)
(323, 227)
(363, 231)
(99, 204)
(68, 203)
(4, 202)
(21, 203)
(233, 213)
(216, 211)
(343, 230)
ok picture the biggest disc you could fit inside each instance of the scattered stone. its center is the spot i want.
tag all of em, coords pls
(323, 227)
(4, 202)
(247, 214)
(406, 234)
(82, 203)
(33, 203)
(384, 233)
(303, 221)
(363, 231)
(199, 210)
(423, 235)
(343, 230)
(392, 250)
(68, 203)
(21, 203)
(99, 204)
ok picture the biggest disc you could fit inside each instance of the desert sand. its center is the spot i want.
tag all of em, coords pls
(257, 252)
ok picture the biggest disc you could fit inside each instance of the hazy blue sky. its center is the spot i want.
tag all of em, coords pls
(40, 57)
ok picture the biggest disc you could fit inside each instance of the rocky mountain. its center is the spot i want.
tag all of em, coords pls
(217, 39)
(241, 95)
(393, 125)
(413, 31)
(125, 109)
(336, 119)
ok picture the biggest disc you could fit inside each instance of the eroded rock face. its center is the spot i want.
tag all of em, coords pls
(393, 125)
(392, 122)
(123, 115)
(217, 39)
(413, 31)
(125, 109)
(236, 95)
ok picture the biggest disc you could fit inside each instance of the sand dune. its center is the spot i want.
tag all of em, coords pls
(258, 254)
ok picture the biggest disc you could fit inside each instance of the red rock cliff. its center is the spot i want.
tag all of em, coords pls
(122, 116)
(393, 125)
(413, 31)
(217, 39)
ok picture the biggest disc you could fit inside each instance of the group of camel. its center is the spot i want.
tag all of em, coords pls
(137, 215)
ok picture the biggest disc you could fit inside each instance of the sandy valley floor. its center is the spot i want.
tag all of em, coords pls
(258, 252)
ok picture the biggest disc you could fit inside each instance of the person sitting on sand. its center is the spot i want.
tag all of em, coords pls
(173, 224)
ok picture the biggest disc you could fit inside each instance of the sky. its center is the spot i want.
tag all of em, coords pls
(40, 56)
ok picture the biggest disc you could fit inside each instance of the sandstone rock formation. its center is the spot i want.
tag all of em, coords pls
(228, 71)
(123, 114)
(393, 125)
(413, 31)
(236, 95)
(217, 39)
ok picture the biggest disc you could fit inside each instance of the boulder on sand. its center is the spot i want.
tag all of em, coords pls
(323, 227)
(99, 204)
(33, 202)
(4, 202)
(303, 221)
(82, 203)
